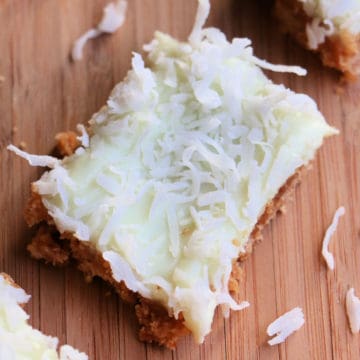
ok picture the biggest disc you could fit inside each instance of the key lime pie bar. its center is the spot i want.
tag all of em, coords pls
(18, 340)
(329, 27)
(190, 157)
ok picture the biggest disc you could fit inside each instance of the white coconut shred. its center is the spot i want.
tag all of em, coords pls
(353, 310)
(113, 18)
(285, 325)
(328, 256)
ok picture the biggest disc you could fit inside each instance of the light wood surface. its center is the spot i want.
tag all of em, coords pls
(43, 92)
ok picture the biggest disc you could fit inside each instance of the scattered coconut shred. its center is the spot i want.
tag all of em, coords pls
(328, 256)
(285, 325)
(353, 310)
(84, 138)
(36, 160)
(112, 20)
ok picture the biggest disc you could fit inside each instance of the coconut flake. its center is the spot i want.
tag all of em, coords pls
(285, 325)
(214, 34)
(328, 256)
(67, 223)
(35, 160)
(113, 17)
(317, 31)
(298, 70)
(67, 352)
(172, 220)
(78, 47)
(226, 299)
(112, 20)
(202, 14)
(353, 311)
(84, 138)
(122, 271)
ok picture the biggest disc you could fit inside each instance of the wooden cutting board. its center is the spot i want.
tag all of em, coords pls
(42, 92)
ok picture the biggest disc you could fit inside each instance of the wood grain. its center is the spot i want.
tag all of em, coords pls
(43, 93)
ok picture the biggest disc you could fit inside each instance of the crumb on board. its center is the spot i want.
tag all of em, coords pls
(22, 145)
(66, 143)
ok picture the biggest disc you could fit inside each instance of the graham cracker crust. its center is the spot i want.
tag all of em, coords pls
(340, 51)
(155, 323)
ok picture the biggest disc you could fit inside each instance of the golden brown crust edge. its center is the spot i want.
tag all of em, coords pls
(340, 51)
(155, 323)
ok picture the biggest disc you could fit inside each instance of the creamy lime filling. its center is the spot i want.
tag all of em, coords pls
(329, 17)
(18, 340)
(180, 164)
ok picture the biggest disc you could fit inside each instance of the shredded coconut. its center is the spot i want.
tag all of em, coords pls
(353, 310)
(328, 256)
(77, 51)
(122, 272)
(280, 68)
(84, 138)
(285, 325)
(35, 160)
(67, 352)
(67, 223)
(112, 20)
(199, 32)
(200, 19)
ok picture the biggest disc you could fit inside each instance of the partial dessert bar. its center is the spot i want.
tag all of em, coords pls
(330, 28)
(18, 340)
(191, 156)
